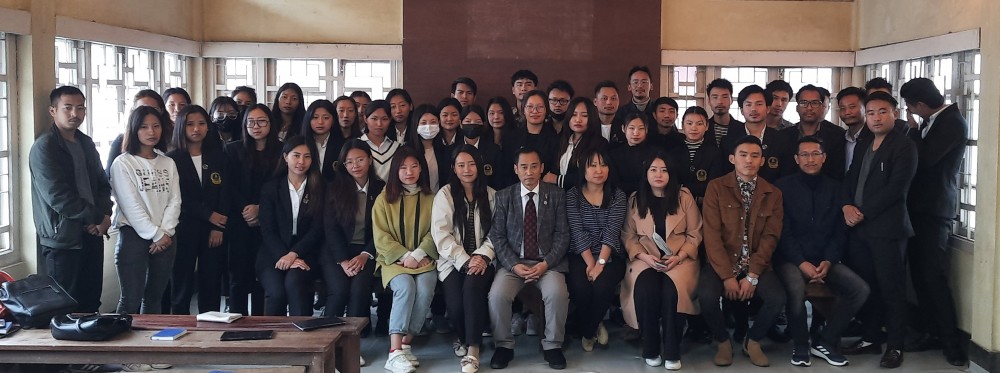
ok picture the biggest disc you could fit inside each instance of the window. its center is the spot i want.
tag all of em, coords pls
(957, 75)
(110, 76)
(7, 254)
(687, 84)
(318, 78)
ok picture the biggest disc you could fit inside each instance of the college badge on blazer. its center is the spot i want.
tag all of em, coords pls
(772, 162)
(702, 175)
(216, 178)
(488, 170)
(305, 199)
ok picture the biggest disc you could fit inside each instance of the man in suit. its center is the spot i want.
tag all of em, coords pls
(743, 218)
(875, 190)
(812, 105)
(720, 97)
(754, 102)
(933, 204)
(879, 84)
(530, 236)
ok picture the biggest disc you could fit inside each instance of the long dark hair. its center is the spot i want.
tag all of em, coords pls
(583, 163)
(356, 127)
(179, 140)
(307, 131)
(509, 121)
(300, 111)
(394, 186)
(130, 142)
(671, 193)
(415, 140)
(591, 137)
(314, 185)
(271, 141)
(343, 191)
(480, 193)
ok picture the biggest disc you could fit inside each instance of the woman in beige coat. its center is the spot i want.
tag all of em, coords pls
(661, 235)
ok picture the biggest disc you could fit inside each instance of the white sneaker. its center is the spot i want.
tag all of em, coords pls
(531, 323)
(602, 335)
(470, 364)
(398, 363)
(654, 362)
(408, 352)
(161, 366)
(672, 364)
(517, 325)
(460, 349)
(363, 362)
(588, 343)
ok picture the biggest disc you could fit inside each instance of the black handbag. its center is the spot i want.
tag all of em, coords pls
(34, 300)
(89, 327)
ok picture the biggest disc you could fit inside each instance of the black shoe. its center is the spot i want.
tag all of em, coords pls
(702, 336)
(501, 357)
(956, 356)
(555, 358)
(891, 359)
(861, 347)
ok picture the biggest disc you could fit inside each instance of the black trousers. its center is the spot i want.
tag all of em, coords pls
(244, 243)
(79, 270)
(286, 292)
(342, 291)
(930, 265)
(592, 299)
(193, 252)
(655, 297)
(769, 291)
(468, 306)
(880, 262)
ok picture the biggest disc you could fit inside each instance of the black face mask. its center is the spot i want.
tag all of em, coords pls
(227, 125)
(557, 117)
(472, 131)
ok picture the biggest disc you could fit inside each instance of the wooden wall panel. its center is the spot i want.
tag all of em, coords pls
(581, 41)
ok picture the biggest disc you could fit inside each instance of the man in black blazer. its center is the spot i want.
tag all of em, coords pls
(527, 255)
(933, 204)
(875, 190)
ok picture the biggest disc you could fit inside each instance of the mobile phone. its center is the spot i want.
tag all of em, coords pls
(248, 335)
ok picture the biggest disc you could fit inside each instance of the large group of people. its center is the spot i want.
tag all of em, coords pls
(454, 209)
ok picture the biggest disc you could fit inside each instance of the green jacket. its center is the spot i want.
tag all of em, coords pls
(388, 234)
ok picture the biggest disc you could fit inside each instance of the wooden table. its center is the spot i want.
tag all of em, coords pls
(320, 350)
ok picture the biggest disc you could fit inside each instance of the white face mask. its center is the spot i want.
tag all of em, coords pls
(428, 131)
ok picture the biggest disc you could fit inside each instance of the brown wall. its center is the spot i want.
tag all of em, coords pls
(581, 41)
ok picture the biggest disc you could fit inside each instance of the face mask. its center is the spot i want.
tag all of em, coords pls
(472, 131)
(227, 125)
(428, 131)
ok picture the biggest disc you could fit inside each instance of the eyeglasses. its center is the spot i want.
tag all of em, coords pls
(560, 101)
(640, 82)
(356, 161)
(809, 155)
(259, 123)
(223, 115)
(811, 104)
(538, 108)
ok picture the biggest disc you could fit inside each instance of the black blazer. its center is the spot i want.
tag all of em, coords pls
(201, 197)
(934, 191)
(813, 228)
(333, 146)
(709, 163)
(337, 240)
(777, 151)
(276, 224)
(710, 133)
(834, 145)
(494, 169)
(885, 191)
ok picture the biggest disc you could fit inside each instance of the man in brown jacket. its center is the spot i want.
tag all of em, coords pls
(742, 224)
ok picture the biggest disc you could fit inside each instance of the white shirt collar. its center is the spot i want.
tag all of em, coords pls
(476, 144)
(386, 143)
(300, 190)
(363, 189)
(524, 191)
(935, 115)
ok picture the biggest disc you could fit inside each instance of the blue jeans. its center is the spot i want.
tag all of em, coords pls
(851, 291)
(411, 300)
(142, 276)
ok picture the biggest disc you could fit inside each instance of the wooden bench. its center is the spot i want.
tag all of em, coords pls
(320, 350)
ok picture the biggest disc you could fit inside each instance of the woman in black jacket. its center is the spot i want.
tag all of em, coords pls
(348, 250)
(291, 223)
(205, 203)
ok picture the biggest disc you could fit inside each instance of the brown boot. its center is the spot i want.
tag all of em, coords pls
(752, 349)
(724, 354)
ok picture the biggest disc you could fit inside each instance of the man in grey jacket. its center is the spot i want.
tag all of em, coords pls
(530, 236)
(70, 200)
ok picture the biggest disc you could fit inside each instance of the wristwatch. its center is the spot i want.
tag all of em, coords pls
(601, 261)
(752, 280)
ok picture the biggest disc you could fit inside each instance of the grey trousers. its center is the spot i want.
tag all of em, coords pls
(143, 277)
(555, 296)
